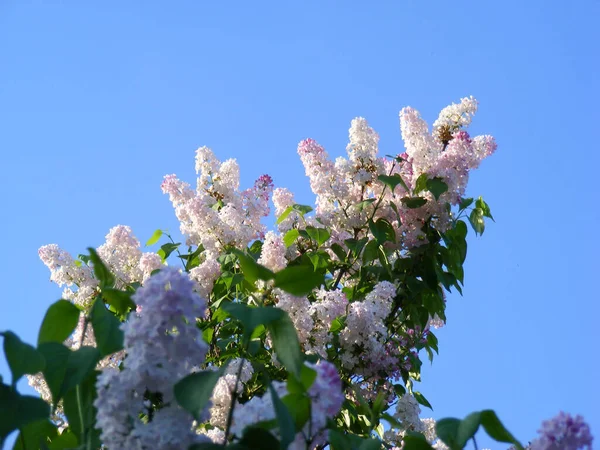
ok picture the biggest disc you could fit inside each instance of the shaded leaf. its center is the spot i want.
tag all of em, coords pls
(194, 391)
(59, 322)
(298, 280)
(107, 329)
(22, 358)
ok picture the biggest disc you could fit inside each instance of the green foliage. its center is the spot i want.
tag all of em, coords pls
(195, 390)
(109, 336)
(22, 358)
(59, 322)
(154, 238)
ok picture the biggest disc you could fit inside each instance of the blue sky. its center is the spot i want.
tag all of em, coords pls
(99, 100)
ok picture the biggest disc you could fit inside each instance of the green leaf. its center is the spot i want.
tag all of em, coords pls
(371, 252)
(252, 270)
(166, 249)
(251, 317)
(411, 442)
(356, 246)
(257, 438)
(290, 237)
(298, 280)
(337, 324)
(284, 215)
(422, 400)
(154, 238)
(80, 364)
(370, 444)
(339, 251)
(65, 369)
(467, 429)
(67, 441)
(22, 358)
(302, 385)
(465, 203)
(101, 272)
(496, 430)
(194, 391)
(437, 187)
(477, 221)
(319, 259)
(79, 408)
(420, 184)
(121, 301)
(107, 329)
(484, 207)
(56, 356)
(320, 235)
(413, 202)
(36, 434)
(447, 431)
(286, 344)
(361, 206)
(16, 410)
(284, 420)
(382, 231)
(299, 407)
(302, 209)
(59, 322)
(392, 181)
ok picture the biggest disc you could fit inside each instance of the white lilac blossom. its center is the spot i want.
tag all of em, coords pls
(365, 337)
(205, 274)
(326, 397)
(163, 345)
(273, 252)
(225, 388)
(563, 432)
(217, 214)
(64, 271)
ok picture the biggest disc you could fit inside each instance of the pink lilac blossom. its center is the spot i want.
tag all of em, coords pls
(205, 274)
(64, 271)
(563, 432)
(217, 214)
(328, 306)
(163, 345)
(364, 339)
(273, 252)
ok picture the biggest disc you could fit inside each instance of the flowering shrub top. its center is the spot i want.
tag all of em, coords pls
(309, 336)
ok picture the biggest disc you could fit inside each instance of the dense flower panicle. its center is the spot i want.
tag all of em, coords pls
(564, 432)
(457, 115)
(223, 392)
(297, 308)
(122, 254)
(205, 274)
(65, 272)
(326, 397)
(149, 262)
(273, 252)
(364, 339)
(163, 345)
(217, 214)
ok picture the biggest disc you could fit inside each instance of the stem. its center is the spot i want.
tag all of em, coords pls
(234, 396)
(22, 438)
(80, 412)
(475, 443)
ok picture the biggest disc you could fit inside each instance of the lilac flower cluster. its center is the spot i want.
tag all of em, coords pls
(216, 214)
(326, 397)
(564, 432)
(163, 345)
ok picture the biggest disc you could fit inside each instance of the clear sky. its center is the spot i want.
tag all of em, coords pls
(99, 100)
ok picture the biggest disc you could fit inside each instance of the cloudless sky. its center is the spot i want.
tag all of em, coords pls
(99, 100)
